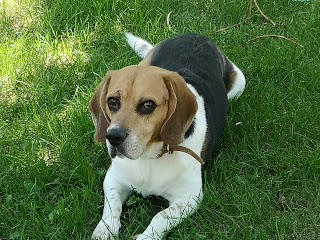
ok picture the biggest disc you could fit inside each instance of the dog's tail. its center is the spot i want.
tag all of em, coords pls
(140, 46)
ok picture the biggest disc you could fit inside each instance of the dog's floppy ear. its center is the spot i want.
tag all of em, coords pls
(97, 108)
(181, 110)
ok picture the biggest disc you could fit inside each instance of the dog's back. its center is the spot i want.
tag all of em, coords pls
(200, 62)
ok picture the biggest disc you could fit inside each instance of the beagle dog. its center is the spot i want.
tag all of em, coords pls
(158, 118)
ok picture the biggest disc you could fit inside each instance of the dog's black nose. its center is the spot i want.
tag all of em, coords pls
(116, 136)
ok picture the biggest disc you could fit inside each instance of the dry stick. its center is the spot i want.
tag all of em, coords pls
(277, 36)
(168, 22)
(248, 16)
(249, 12)
(262, 13)
(226, 28)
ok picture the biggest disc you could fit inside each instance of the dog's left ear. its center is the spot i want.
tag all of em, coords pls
(182, 109)
(97, 108)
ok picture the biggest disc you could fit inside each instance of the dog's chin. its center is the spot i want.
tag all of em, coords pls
(115, 152)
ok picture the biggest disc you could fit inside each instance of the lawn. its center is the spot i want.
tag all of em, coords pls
(264, 179)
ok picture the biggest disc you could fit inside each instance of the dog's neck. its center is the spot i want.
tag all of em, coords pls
(171, 148)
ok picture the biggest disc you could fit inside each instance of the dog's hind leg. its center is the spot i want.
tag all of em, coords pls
(140, 46)
(237, 83)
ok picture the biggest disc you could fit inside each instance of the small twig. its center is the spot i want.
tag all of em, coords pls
(168, 22)
(246, 17)
(245, 20)
(262, 13)
(249, 12)
(226, 28)
(277, 36)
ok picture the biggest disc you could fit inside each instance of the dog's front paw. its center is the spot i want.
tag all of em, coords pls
(103, 231)
(139, 236)
(145, 237)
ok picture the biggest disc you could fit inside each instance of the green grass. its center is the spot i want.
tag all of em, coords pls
(264, 182)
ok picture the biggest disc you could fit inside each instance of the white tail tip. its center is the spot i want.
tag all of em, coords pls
(140, 46)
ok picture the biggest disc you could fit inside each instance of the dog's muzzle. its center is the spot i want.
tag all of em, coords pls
(116, 137)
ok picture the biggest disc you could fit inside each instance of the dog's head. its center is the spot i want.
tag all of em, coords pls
(137, 106)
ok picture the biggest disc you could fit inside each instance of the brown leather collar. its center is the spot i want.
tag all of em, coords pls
(171, 148)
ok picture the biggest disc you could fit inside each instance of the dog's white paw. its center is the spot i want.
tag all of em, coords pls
(144, 237)
(139, 236)
(103, 231)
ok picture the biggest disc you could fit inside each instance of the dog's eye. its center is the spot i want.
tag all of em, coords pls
(146, 107)
(113, 104)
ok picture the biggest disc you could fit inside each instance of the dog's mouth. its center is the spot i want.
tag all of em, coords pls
(120, 152)
(128, 149)
(114, 152)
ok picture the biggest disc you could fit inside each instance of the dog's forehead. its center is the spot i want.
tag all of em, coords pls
(139, 82)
